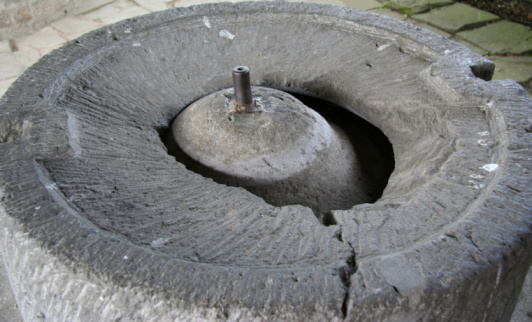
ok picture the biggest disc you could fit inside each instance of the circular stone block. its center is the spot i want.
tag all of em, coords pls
(100, 223)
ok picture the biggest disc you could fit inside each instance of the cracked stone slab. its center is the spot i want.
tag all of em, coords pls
(456, 17)
(88, 189)
(501, 38)
(418, 6)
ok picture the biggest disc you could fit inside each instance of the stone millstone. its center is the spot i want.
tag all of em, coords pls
(100, 223)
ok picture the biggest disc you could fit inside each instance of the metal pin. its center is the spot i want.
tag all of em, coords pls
(242, 85)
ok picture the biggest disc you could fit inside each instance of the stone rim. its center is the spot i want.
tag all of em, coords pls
(457, 59)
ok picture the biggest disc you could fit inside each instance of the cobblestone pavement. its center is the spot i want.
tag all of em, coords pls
(507, 44)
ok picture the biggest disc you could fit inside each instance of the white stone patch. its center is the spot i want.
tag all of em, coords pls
(483, 133)
(206, 22)
(475, 185)
(227, 34)
(384, 46)
(159, 242)
(125, 257)
(490, 167)
(447, 51)
(136, 44)
(476, 176)
(127, 31)
(482, 142)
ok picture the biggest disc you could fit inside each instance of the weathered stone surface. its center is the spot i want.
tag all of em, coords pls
(456, 17)
(418, 6)
(88, 189)
(501, 38)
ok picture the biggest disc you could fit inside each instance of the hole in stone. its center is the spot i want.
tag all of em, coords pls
(483, 70)
(368, 157)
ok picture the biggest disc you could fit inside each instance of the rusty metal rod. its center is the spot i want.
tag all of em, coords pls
(242, 85)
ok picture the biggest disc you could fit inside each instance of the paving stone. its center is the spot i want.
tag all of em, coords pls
(517, 68)
(469, 45)
(390, 13)
(417, 6)
(125, 14)
(9, 67)
(433, 29)
(338, 3)
(44, 40)
(154, 5)
(100, 13)
(124, 4)
(501, 37)
(73, 27)
(456, 17)
(361, 4)
(4, 46)
(88, 6)
(27, 56)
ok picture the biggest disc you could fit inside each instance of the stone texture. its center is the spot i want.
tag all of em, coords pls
(5, 83)
(361, 4)
(124, 14)
(456, 17)
(9, 310)
(4, 46)
(501, 38)
(87, 6)
(523, 310)
(9, 66)
(27, 56)
(390, 13)
(469, 45)
(516, 68)
(71, 28)
(417, 6)
(433, 29)
(44, 40)
(154, 5)
(111, 215)
(101, 13)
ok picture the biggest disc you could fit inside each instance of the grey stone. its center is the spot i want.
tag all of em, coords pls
(456, 17)
(417, 6)
(501, 38)
(100, 223)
